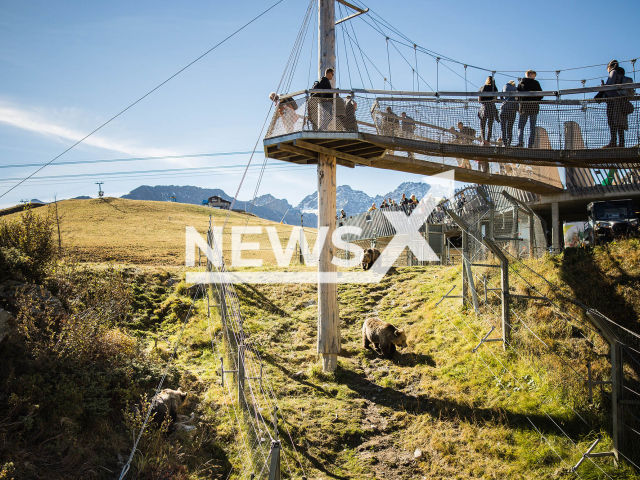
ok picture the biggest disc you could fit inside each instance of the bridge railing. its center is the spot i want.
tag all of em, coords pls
(562, 121)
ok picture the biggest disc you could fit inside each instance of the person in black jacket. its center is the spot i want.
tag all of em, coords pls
(616, 111)
(529, 107)
(488, 112)
(319, 99)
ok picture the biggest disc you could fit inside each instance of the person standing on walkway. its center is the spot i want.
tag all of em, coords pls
(488, 112)
(508, 111)
(617, 105)
(408, 129)
(529, 107)
(321, 117)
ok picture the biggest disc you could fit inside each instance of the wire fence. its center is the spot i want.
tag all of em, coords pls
(251, 401)
(506, 134)
(551, 331)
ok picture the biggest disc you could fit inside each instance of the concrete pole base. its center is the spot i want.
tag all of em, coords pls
(329, 362)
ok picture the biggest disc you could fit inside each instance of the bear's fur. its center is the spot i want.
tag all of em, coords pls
(167, 403)
(378, 334)
(369, 257)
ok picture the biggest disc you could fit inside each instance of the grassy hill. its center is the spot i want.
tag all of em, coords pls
(146, 232)
(492, 414)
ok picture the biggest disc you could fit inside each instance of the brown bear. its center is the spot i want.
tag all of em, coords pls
(166, 403)
(382, 335)
(369, 257)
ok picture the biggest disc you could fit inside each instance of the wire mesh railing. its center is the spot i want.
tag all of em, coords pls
(500, 123)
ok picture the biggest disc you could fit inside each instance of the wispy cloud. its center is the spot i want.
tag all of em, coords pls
(43, 124)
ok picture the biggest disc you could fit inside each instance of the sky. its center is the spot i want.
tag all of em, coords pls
(69, 66)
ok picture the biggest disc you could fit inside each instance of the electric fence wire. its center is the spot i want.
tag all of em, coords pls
(144, 96)
(511, 345)
(255, 428)
(520, 319)
(516, 380)
(241, 332)
(246, 466)
(500, 383)
(493, 290)
(125, 468)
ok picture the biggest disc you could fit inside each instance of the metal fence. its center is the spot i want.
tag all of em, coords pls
(561, 122)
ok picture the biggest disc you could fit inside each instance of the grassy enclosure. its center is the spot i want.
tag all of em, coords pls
(437, 410)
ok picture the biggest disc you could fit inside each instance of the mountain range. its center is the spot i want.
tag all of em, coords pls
(276, 209)
(356, 201)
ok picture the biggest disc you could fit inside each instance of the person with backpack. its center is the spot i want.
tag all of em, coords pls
(618, 105)
(529, 107)
(321, 117)
(488, 112)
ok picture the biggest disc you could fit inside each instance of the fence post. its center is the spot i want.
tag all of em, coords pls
(465, 274)
(616, 376)
(504, 291)
(274, 468)
(241, 351)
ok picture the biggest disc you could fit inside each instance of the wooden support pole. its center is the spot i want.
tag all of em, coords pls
(326, 37)
(328, 315)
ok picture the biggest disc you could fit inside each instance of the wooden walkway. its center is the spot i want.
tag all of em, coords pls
(351, 149)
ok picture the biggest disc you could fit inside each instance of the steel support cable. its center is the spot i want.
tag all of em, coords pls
(353, 52)
(344, 46)
(125, 468)
(260, 135)
(370, 61)
(313, 41)
(434, 54)
(235, 304)
(408, 63)
(296, 47)
(145, 95)
(499, 382)
(355, 40)
(415, 54)
(295, 52)
(389, 62)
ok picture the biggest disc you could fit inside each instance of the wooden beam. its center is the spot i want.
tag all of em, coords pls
(353, 7)
(297, 150)
(329, 151)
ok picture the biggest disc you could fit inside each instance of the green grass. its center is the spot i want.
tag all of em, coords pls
(367, 419)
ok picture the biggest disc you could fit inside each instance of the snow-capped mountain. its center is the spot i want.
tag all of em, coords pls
(356, 201)
(347, 199)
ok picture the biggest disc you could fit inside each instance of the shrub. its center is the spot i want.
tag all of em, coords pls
(27, 249)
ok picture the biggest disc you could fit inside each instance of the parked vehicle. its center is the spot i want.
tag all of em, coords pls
(609, 220)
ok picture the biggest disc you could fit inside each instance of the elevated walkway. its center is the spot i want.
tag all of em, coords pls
(369, 129)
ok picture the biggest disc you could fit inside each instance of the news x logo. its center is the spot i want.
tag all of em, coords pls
(407, 235)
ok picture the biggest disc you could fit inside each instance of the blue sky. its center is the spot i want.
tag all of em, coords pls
(69, 66)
